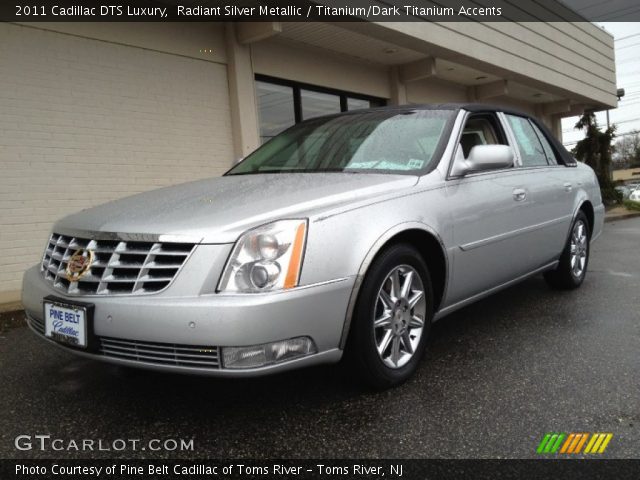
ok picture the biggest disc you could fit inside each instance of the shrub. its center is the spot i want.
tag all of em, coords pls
(632, 205)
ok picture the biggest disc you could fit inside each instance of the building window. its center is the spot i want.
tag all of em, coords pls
(275, 105)
(357, 103)
(282, 103)
(315, 104)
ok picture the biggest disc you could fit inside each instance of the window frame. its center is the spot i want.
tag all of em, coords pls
(344, 95)
(494, 122)
(501, 133)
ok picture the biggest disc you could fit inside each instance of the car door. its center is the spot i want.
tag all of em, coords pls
(490, 212)
(550, 190)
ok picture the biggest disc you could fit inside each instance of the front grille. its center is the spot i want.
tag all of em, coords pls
(161, 353)
(151, 352)
(118, 267)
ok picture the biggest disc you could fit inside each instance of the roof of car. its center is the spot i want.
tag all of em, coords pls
(470, 107)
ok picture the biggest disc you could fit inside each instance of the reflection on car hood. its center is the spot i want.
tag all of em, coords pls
(217, 210)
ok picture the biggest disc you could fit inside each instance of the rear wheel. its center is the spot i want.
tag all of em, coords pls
(574, 260)
(392, 317)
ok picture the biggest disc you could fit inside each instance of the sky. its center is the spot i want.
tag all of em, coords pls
(627, 115)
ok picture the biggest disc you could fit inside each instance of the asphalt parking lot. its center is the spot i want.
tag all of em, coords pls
(498, 375)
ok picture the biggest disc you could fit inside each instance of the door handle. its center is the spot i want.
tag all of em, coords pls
(568, 187)
(519, 194)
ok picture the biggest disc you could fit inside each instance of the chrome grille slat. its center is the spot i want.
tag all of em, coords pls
(193, 356)
(119, 267)
(144, 271)
(112, 279)
(162, 353)
(57, 256)
(150, 266)
(147, 279)
(155, 264)
(155, 359)
(167, 346)
(143, 252)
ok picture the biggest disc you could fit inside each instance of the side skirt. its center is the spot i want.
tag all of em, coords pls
(463, 303)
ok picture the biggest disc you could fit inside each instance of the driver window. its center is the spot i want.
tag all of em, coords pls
(480, 130)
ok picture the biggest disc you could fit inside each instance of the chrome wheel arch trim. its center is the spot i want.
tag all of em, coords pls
(373, 252)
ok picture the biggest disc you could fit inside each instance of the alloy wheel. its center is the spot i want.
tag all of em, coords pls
(579, 249)
(399, 316)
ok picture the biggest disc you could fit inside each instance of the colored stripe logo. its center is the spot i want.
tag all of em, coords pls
(573, 443)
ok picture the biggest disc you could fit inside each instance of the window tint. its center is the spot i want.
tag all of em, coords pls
(531, 151)
(275, 109)
(546, 146)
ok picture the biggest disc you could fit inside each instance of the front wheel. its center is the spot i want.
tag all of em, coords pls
(392, 317)
(574, 260)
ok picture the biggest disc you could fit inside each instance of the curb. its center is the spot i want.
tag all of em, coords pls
(623, 216)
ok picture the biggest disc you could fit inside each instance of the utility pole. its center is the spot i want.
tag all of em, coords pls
(619, 94)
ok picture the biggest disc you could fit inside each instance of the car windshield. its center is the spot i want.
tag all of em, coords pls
(375, 141)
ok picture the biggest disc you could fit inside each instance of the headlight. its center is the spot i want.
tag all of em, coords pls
(266, 258)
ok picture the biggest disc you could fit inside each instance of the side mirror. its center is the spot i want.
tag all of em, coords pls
(485, 157)
(238, 160)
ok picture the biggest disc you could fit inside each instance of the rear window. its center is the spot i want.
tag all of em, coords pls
(531, 150)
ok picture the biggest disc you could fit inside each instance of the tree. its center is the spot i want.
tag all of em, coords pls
(627, 150)
(595, 150)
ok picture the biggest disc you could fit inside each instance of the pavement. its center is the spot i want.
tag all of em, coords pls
(497, 376)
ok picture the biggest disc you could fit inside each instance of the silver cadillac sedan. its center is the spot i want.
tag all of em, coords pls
(344, 236)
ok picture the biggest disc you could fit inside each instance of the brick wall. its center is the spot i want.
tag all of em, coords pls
(85, 121)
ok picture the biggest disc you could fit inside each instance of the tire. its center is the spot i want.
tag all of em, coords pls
(572, 268)
(402, 332)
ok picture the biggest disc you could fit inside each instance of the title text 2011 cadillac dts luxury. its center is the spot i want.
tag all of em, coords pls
(347, 234)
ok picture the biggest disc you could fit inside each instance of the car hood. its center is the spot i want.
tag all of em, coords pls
(217, 210)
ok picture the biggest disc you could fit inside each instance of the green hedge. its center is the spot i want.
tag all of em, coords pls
(632, 205)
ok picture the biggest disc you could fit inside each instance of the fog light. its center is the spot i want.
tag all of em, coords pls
(268, 353)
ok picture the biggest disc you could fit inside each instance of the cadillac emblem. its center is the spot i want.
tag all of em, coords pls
(79, 264)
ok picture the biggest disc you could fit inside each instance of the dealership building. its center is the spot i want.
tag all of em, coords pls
(90, 112)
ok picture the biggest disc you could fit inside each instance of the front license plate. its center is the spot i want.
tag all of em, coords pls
(66, 323)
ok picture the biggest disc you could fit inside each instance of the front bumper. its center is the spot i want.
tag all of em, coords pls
(160, 331)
